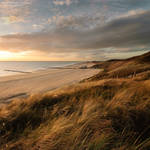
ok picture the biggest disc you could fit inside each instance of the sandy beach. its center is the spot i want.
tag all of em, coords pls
(23, 85)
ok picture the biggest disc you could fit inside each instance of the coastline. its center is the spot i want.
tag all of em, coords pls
(10, 68)
(41, 81)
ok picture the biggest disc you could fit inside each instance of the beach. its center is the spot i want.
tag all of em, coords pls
(23, 85)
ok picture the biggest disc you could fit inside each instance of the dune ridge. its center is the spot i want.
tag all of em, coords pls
(108, 111)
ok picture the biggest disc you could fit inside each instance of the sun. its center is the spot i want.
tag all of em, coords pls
(4, 55)
(11, 56)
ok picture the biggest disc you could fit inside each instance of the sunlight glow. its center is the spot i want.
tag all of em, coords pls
(37, 56)
(6, 56)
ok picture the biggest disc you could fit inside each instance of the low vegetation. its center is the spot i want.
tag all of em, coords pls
(110, 111)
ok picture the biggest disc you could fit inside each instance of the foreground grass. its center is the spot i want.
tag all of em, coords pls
(110, 111)
(108, 114)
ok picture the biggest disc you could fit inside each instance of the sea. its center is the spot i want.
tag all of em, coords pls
(8, 68)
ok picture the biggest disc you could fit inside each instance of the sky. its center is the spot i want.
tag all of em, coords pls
(73, 30)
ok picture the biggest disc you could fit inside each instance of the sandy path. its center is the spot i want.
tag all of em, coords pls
(41, 81)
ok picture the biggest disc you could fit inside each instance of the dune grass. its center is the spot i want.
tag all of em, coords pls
(110, 111)
(91, 116)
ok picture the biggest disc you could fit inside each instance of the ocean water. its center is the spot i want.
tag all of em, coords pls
(18, 67)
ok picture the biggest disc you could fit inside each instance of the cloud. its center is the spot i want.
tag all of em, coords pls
(126, 33)
(12, 19)
(14, 11)
(132, 13)
(64, 2)
(79, 22)
(37, 26)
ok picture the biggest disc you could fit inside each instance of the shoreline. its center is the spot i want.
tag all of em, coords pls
(10, 71)
(41, 81)
(21, 72)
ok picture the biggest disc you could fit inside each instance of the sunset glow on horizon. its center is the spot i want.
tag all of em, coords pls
(82, 30)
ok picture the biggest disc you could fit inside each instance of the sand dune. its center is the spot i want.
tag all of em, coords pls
(40, 81)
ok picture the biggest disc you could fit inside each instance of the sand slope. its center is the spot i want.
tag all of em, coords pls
(41, 81)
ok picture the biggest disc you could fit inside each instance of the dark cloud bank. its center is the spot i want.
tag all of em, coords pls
(125, 32)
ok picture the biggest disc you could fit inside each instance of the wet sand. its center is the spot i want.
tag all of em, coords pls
(23, 85)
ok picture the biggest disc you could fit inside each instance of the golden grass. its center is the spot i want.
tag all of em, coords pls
(94, 115)
(111, 113)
